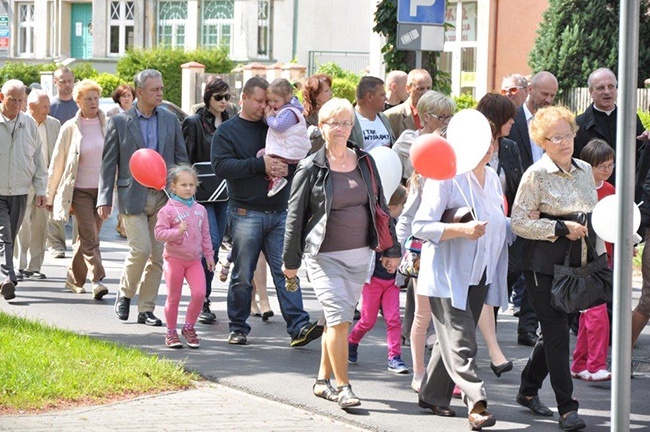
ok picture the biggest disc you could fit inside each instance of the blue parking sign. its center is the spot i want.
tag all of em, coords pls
(421, 11)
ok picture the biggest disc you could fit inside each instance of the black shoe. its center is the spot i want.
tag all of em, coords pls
(266, 315)
(443, 411)
(8, 290)
(237, 338)
(310, 332)
(357, 314)
(529, 339)
(535, 405)
(572, 422)
(122, 305)
(498, 370)
(149, 319)
(206, 316)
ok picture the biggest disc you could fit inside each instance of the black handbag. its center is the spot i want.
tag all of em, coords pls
(578, 288)
(211, 188)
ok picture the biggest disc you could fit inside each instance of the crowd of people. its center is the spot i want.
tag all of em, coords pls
(293, 184)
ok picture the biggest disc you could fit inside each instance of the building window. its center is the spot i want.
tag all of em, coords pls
(460, 49)
(218, 21)
(26, 29)
(264, 28)
(121, 24)
(172, 19)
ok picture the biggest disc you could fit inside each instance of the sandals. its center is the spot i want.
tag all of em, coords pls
(324, 389)
(346, 398)
(479, 420)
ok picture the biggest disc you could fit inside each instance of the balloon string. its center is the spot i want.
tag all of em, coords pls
(472, 210)
(175, 208)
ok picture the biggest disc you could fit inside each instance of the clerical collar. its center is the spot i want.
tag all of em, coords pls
(603, 111)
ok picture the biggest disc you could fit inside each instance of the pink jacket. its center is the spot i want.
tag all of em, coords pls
(194, 242)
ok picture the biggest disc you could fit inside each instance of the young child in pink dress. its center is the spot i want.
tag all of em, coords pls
(183, 226)
(590, 354)
(287, 136)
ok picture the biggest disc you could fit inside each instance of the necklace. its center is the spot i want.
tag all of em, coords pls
(338, 161)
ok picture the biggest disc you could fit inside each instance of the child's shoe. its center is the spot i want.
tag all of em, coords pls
(456, 393)
(276, 186)
(173, 341)
(397, 365)
(352, 353)
(601, 375)
(190, 336)
(582, 375)
(225, 269)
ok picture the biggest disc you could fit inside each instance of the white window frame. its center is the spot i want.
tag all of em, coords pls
(219, 24)
(122, 21)
(25, 42)
(176, 24)
(264, 30)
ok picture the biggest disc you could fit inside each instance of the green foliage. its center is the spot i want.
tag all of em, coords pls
(645, 118)
(109, 82)
(579, 36)
(83, 71)
(27, 73)
(168, 62)
(464, 101)
(386, 25)
(335, 71)
(344, 88)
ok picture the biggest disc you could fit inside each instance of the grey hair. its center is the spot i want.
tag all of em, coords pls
(35, 96)
(436, 103)
(519, 79)
(141, 77)
(12, 84)
(597, 71)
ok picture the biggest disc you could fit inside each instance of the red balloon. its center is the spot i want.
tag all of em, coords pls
(433, 157)
(149, 169)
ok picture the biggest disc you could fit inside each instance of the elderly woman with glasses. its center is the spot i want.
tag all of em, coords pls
(198, 130)
(331, 220)
(562, 189)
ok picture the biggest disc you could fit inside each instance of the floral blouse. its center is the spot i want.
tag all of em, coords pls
(549, 189)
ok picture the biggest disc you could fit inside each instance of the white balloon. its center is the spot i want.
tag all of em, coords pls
(389, 167)
(469, 134)
(604, 218)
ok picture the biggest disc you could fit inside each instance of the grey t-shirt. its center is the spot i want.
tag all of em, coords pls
(63, 110)
(349, 218)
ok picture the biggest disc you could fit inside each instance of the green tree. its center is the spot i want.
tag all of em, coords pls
(579, 36)
(386, 25)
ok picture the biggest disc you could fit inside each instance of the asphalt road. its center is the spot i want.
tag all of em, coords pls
(270, 368)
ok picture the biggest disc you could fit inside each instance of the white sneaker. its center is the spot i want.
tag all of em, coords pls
(582, 375)
(601, 375)
(276, 186)
(99, 290)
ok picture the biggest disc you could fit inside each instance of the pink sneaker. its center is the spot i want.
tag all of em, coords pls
(191, 338)
(276, 186)
(173, 341)
(456, 393)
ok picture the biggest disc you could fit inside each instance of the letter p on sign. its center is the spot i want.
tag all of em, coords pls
(413, 11)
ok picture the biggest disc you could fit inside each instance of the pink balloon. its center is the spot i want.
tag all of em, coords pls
(433, 157)
(149, 169)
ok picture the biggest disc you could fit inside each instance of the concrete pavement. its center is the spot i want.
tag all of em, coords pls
(267, 384)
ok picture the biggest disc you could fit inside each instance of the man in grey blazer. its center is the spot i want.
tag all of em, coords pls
(33, 232)
(143, 126)
(405, 115)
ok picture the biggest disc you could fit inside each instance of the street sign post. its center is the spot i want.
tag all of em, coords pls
(420, 26)
(417, 37)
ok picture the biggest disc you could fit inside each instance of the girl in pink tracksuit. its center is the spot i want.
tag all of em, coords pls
(183, 226)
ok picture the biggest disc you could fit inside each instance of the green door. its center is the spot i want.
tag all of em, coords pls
(81, 36)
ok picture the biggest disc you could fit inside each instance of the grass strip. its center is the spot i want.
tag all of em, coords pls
(44, 367)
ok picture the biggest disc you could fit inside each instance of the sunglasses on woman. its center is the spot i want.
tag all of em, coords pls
(219, 97)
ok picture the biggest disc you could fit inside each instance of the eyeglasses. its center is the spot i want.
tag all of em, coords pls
(443, 119)
(512, 90)
(607, 167)
(559, 139)
(339, 125)
(219, 97)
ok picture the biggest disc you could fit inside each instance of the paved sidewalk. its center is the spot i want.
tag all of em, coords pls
(209, 407)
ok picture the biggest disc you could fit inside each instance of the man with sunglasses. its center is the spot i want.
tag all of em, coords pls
(405, 115)
(515, 87)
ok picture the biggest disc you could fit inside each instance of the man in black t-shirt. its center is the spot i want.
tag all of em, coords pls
(257, 222)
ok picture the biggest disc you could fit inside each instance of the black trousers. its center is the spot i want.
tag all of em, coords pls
(550, 355)
(12, 211)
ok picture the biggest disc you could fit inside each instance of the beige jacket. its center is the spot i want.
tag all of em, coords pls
(64, 165)
(21, 159)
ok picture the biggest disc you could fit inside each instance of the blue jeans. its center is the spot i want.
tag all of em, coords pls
(252, 232)
(217, 219)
